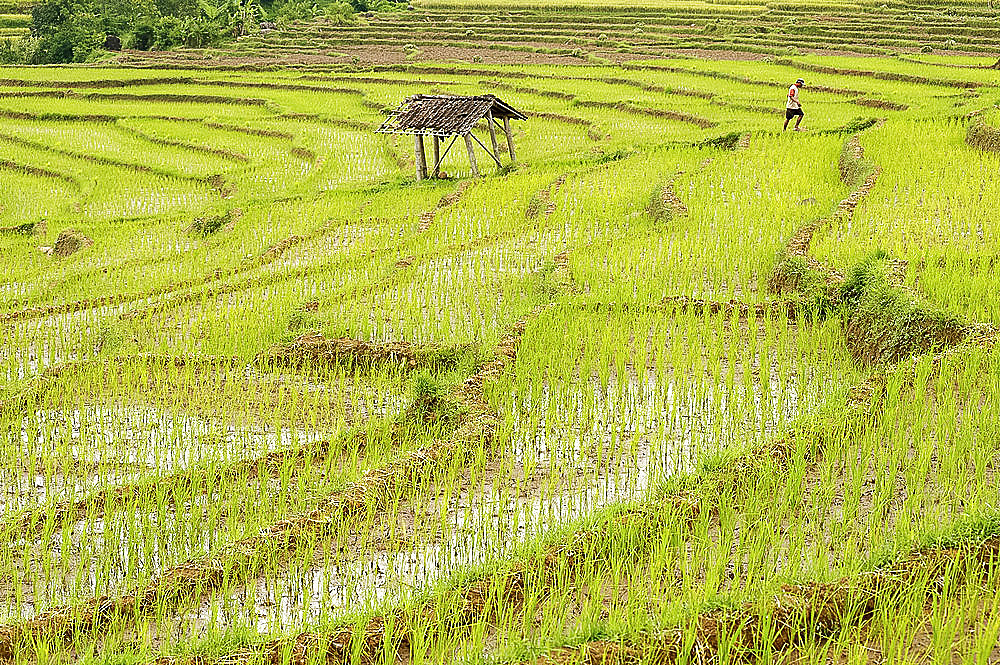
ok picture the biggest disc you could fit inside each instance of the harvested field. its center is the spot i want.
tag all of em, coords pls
(676, 387)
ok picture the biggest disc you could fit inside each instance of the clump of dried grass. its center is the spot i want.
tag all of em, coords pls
(69, 242)
(983, 137)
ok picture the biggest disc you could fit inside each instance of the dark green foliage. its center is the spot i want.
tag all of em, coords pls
(169, 31)
(378, 5)
(853, 127)
(725, 142)
(867, 272)
(68, 31)
(659, 209)
(432, 402)
(81, 30)
(206, 226)
(284, 12)
(507, 169)
(77, 30)
(614, 156)
(177, 7)
(983, 137)
(25, 229)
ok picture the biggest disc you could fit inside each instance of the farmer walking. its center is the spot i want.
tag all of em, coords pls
(793, 107)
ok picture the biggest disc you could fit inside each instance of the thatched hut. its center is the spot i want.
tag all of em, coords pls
(452, 116)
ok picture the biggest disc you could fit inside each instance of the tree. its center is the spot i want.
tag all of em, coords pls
(76, 30)
(240, 17)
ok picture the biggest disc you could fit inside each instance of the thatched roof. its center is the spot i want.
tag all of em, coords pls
(445, 115)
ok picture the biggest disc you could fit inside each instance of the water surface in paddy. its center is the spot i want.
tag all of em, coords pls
(556, 467)
(65, 455)
(69, 454)
(60, 454)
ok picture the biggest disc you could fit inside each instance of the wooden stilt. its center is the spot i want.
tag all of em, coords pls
(472, 155)
(436, 145)
(493, 135)
(419, 157)
(510, 140)
(486, 149)
(437, 162)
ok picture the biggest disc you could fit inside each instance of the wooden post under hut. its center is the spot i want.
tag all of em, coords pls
(510, 140)
(472, 155)
(419, 157)
(493, 134)
(436, 140)
(452, 116)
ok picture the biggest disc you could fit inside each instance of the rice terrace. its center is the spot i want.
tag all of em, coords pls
(500, 333)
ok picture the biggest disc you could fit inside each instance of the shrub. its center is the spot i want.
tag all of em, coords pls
(725, 142)
(18, 51)
(209, 224)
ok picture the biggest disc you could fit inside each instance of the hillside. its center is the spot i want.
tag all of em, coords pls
(675, 385)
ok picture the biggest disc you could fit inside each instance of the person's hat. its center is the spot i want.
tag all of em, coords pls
(800, 82)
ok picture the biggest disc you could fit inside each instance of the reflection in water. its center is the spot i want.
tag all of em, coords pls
(621, 439)
(104, 445)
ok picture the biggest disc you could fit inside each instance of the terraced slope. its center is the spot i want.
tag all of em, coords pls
(679, 387)
(578, 32)
(15, 18)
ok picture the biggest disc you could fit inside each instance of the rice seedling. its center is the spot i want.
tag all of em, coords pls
(677, 387)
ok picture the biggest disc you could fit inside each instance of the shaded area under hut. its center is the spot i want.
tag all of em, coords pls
(452, 116)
